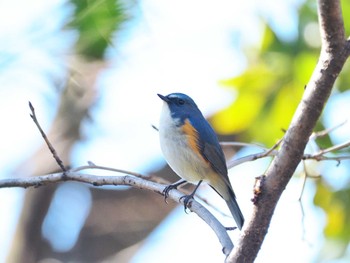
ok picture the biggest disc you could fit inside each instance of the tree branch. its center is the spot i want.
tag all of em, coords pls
(318, 156)
(49, 145)
(129, 180)
(334, 52)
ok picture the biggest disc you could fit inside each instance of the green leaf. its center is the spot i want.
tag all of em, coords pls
(96, 22)
(239, 116)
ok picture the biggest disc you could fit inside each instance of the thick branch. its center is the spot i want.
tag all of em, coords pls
(335, 50)
(331, 25)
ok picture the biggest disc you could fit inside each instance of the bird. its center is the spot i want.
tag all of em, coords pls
(191, 148)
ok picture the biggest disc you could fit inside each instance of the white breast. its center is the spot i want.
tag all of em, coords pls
(176, 151)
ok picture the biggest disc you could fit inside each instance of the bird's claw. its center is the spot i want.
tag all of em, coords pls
(166, 191)
(186, 200)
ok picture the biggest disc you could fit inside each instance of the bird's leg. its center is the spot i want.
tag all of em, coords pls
(172, 186)
(187, 198)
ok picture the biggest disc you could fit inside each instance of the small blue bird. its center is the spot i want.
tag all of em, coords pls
(192, 150)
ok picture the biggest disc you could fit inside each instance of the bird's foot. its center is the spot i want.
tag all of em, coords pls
(170, 187)
(167, 189)
(186, 201)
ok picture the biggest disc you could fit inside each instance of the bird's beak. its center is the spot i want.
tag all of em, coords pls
(163, 97)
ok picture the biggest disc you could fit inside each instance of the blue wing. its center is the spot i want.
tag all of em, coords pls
(209, 146)
(211, 151)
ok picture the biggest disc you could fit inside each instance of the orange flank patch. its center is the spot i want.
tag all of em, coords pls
(192, 137)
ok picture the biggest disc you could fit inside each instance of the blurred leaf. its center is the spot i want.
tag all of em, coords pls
(324, 141)
(346, 14)
(240, 115)
(268, 39)
(252, 94)
(337, 208)
(343, 82)
(303, 66)
(268, 93)
(96, 22)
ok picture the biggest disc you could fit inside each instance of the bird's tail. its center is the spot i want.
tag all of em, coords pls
(235, 210)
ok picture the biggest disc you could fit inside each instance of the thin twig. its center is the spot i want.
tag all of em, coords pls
(248, 158)
(325, 132)
(333, 148)
(51, 148)
(319, 156)
(252, 157)
(267, 153)
(338, 159)
(93, 166)
(300, 202)
(242, 144)
(305, 175)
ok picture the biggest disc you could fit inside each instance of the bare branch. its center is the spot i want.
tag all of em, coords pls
(51, 148)
(137, 182)
(323, 133)
(93, 166)
(304, 177)
(333, 148)
(319, 156)
(252, 157)
(242, 144)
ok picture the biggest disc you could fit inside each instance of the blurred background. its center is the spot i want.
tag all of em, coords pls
(92, 70)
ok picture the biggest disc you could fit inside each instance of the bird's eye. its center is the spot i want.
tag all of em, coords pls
(181, 101)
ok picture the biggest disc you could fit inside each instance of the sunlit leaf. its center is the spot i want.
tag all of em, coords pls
(239, 115)
(267, 40)
(346, 13)
(303, 66)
